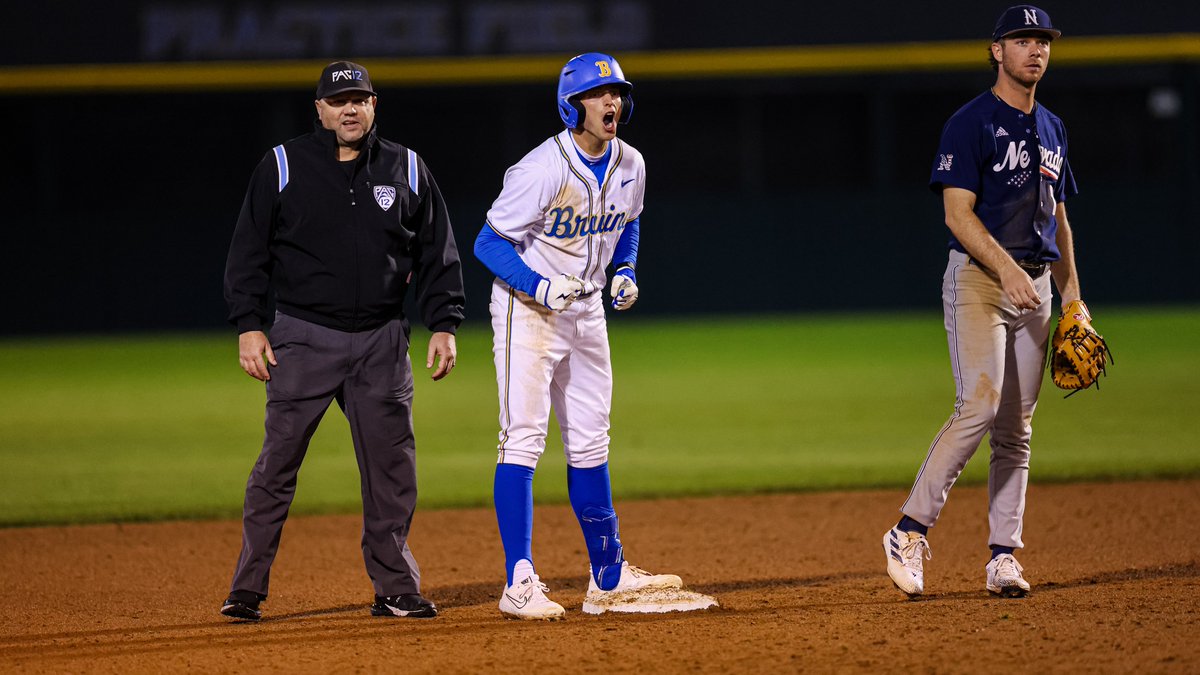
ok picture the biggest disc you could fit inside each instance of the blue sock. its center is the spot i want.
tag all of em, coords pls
(1001, 550)
(513, 494)
(591, 498)
(907, 524)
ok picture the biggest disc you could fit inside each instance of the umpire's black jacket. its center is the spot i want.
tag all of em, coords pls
(339, 243)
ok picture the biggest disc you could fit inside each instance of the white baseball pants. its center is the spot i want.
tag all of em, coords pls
(997, 355)
(546, 359)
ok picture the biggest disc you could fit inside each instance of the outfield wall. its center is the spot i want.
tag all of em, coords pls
(784, 178)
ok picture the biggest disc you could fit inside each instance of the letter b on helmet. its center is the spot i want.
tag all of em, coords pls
(588, 71)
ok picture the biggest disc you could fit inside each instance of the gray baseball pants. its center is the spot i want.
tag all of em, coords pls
(370, 376)
(997, 354)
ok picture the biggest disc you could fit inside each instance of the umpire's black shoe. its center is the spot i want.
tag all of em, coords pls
(410, 605)
(243, 605)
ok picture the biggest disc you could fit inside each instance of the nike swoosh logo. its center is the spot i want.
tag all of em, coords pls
(626, 182)
(520, 604)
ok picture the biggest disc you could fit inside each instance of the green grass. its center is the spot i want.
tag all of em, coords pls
(167, 426)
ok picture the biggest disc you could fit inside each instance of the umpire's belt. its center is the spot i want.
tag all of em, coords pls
(1032, 268)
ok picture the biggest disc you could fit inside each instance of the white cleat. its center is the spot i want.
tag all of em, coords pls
(635, 578)
(906, 553)
(1004, 577)
(642, 592)
(526, 599)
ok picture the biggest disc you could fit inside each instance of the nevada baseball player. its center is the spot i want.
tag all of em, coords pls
(1003, 174)
(568, 210)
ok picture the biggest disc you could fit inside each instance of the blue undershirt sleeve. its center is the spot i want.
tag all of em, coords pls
(500, 256)
(626, 250)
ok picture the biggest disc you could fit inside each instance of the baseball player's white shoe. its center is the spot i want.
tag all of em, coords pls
(906, 554)
(1004, 577)
(526, 599)
(635, 578)
(633, 590)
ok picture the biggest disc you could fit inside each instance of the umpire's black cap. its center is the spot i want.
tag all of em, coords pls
(1024, 19)
(341, 76)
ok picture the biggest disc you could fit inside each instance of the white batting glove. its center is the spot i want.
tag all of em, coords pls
(559, 291)
(624, 289)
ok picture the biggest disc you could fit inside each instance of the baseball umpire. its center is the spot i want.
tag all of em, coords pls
(568, 209)
(1003, 175)
(337, 223)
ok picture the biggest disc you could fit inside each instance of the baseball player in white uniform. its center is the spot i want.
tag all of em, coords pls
(568, 210)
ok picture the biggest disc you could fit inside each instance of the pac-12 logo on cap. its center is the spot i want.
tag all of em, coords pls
(385, 195)
(346, 75)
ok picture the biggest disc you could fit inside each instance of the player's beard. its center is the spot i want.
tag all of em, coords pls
(1020, 75)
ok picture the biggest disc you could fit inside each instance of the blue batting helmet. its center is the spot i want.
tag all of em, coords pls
(588, 71)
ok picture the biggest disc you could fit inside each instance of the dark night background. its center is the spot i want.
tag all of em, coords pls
(765, 194)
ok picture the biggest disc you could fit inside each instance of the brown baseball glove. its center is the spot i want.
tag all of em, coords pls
(1078, 355)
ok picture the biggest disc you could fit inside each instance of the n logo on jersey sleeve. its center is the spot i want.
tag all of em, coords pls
(945, 162)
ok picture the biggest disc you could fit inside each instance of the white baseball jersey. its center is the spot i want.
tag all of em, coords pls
(556, 214)
(561, 221)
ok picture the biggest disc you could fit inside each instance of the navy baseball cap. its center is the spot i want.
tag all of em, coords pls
(341, 76)
(1024, 19)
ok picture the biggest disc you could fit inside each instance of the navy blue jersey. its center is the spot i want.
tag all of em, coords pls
(1016, 164)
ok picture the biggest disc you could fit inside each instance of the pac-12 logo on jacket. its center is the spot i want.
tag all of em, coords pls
(566, 225)
(385, 196)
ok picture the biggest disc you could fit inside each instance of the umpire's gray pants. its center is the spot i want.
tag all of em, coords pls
(997, 353)
(370, 376)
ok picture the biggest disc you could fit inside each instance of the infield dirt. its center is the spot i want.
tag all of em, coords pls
(1115, 570)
